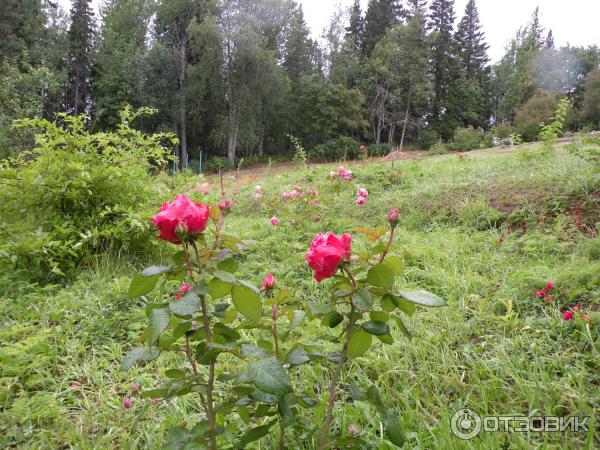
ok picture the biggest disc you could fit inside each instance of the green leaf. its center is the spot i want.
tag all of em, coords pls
(297, 319)
(381, 275)
(141, 285)
(362, 300)
(186, 306)
(423, 298)
(139, 354)
(175, 373)
(218, 288)
(228, 334)
(375, 327)
(403, 327)
(268, 375)
(159, 321)
(393, 428)
(255, 434)
(247, 302)
(386, 339)
(335, 319)
(228, 265)
(379, 316)
(395, 263)
(387, 303)
(224, 276)
(297, 356)
(359, 343)
(251, 351)
(405, 306)
(155, 270)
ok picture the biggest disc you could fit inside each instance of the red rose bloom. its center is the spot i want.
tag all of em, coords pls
(540, 293)
(327, 252)
(549, 286)
(268, 281)
(182, 215)
(567, 315)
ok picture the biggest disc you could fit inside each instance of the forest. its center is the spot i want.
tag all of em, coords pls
(234, 78)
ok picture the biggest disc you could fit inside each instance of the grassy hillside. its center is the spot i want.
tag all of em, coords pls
(484, 232)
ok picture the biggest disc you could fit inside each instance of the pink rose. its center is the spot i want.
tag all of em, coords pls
(268, 281)
(361, 200)
(549, 286)
(182, 216)
(134, 388)
(362, 192)
(326, 252)
(258, 196)
(225, 205)
(127, 403)
(315, 202)
(540, 293)
(311, 192)
(393, 217)
(274, 221)
(185, 288)
(286, 196)
(567, 315)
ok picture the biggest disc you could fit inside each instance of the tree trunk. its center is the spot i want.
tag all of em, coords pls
(182, 106)
(261, 142)
(234, 116)
(405, 119)
(77, 93)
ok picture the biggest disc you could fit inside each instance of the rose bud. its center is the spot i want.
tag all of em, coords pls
(127, 403)
(353, 429)
(327, 252)
(393, 217)
(181, 218)
(225, 205)
(361, 201)
(134, 388)
(185, 288)
(274, 221)
(567, 315)
(268, 282)
(549, 285)
(540, 293)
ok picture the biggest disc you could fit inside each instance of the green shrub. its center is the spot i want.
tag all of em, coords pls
(503, 131)
(465, 139)
(438, 148)
(216, 163)
(77, 194)
(427, 139)
(342, 147)
(537, 110)
(379, 149)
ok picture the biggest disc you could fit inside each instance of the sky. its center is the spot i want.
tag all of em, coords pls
(572, 21)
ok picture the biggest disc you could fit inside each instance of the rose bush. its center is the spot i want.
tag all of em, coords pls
(203, 312)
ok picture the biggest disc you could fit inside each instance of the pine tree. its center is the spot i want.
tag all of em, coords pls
(355, 29)
(442, 50)
(471, 45)
(550, 39)
(21, 29)
(300, 50)
(381, 15)
(81, 41)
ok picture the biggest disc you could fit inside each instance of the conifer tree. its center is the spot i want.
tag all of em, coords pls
(81, 41)
(381, 15)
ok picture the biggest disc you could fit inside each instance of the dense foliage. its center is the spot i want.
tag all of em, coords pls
(76, 194)
(234, 78)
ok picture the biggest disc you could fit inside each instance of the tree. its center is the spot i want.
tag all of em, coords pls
(470, 88)
(300, 52)
(381, 15)
(536, 111)
(591, 98)
(120, 59)
(442, 61)
(356, 27)
(81, 42)
(22, 29)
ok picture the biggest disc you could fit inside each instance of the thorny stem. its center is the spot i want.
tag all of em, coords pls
(281, 445)
(387, 247)
(333, 383)
(210, 412)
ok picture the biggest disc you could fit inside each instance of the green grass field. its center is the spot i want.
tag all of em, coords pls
(483, 232)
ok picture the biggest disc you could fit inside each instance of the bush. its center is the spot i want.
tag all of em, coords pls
(77, 194)
(427, 139)
(217, 163)
(503, 131)
(537, 110)
(379, 149)
(439, 148)
(465, 139)
(342, 147)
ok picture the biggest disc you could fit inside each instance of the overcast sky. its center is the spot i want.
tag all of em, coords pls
(572, 21)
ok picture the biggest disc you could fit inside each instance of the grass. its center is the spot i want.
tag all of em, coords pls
(495, 349)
